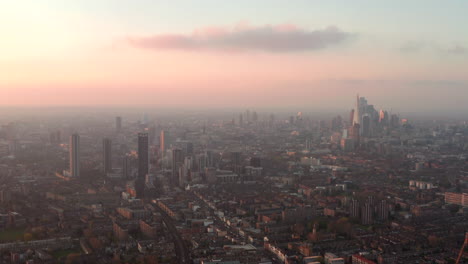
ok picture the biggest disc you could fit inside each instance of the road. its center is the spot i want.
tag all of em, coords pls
(182, 252)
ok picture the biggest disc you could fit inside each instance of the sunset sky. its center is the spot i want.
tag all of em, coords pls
(411, 55)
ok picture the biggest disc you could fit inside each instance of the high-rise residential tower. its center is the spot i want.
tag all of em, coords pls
(143, 155)
(118, 124)
(357, 116)
(125, 166)
(177, 160)
(74, 149)
(162, 143)
(107, 155)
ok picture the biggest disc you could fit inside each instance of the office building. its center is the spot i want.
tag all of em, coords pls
(162, 143)
(143, 155)
(366, 126)
(107, 155)
(236, 162)
(126, 167)
(357, 114)
(118, 124)
(177, 160)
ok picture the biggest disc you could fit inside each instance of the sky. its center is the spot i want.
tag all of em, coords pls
(302, 54)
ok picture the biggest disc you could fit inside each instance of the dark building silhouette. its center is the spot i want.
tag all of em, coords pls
(118, 124)
(236, 161)
(74, 150)
(126, 167)
(354, 209)
(177, 161)
(143, 155)
(107, 155)
(366, 126)
(382, 211)
(256, 162)
(367, 214)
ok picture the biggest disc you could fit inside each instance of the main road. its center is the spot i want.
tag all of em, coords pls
(182, 252)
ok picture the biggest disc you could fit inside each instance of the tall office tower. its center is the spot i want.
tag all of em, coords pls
(151, 134)
(118, 124)
(10, 131)
(177, 160)
(308, 144)
(201, 162)
(271, 121)
(145, 119)
(143, 155)
(241, 120)
(162, 143)
(354, 209)
(336, 123)
(107, 155)
(209, 158)
(366, 125)
(254, 117)
(185, 171)
(247, 115)
(367, 215)
(126, 167)
(394, 120)
(74, 149)
(236, 162)
(354, 134)
(188, 148)
(382, 212)
(383, 117)
(351, 116)
(55, 137)
(256, 162)
(357, 115)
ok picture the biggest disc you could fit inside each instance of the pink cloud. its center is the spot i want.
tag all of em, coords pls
(243, 37)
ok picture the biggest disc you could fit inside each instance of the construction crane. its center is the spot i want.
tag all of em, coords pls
(462, 250)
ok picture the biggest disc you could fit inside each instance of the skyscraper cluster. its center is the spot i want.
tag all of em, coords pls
(365, 122)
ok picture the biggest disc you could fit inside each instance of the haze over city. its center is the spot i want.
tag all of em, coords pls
(406, 55)
(233, 132)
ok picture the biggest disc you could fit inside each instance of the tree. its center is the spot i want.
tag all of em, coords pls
(27, 237)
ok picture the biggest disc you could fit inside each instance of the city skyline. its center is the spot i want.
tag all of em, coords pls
(406, 56)
(234, 132)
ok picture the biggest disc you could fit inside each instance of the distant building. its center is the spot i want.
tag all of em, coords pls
(118, 124)
(143, 163)
(354, 209)
(367, 214)
(177, 161)
(236, 161)
(331, 258)
(107, 155)
(162, 143)
(366, 126)
(126, 167)
(348, 144)
(74, 150)
(457, 198)
(143, 155)
(358, 259)
(382, 211)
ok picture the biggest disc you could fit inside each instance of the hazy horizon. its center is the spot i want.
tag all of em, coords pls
(404, 56)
